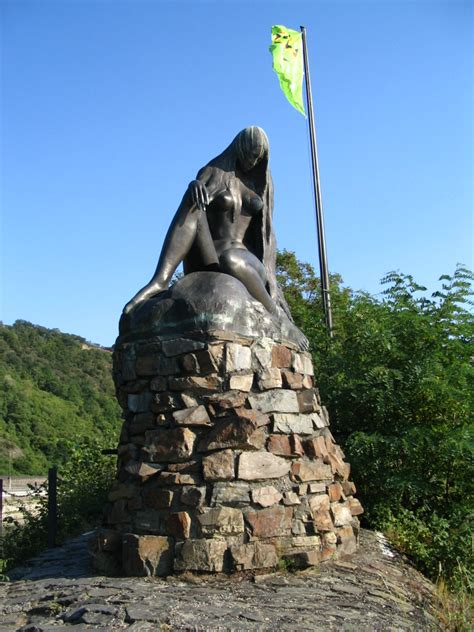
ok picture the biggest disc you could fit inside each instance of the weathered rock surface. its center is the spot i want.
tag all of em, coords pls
(376, 591)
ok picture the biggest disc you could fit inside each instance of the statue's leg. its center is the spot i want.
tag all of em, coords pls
(245, 266)
(178, 241)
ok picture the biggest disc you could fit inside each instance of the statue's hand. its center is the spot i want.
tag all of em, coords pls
(199, 194)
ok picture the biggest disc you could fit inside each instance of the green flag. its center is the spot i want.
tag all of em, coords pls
(287, 52)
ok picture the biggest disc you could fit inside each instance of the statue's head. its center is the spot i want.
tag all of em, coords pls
(251, 146)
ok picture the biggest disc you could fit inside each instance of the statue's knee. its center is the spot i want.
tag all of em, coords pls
(230, 262)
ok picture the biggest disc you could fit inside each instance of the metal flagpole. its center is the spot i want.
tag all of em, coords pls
(323, 266)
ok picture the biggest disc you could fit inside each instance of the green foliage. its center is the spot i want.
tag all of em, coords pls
(56, 390)
(83, 483)
(398, 379)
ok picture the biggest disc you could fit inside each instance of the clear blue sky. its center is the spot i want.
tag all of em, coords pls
(110, 108)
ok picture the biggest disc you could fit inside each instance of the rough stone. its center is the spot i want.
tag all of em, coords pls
(266, 496)
(193, 496)
(140, 402)
(241, 382)
(306, 541)
(158, 383)
(223, 401)
(316, 448)
(285, 445)
(150, 521)
(253, 555)
(157, 364)
(142, 422)
(201, 362)
(219, 466)
(291, 498)
(238, 358)
(292, 380)
(311, 471)
(165, 402)
(173, 444)
(318, 421)
(307, 401)
(220, 521)
(157, 498)
(276, 400)
(233, 432)
(122, 490)
(207, 383)
(281, 356)
(196, 416)
(178, 478)
(147, 555)
(269, 378)
(347, 542)
(261, 465)
(270, 522)
(342, 514)
(189, 401)
(349, 488)
(303, 364)
(262, 353)
(200, 555)
(237, 494)
(334, 492)
(179, 525)
(291, 423)
(180, 345)
(143, 470)
(355, 507)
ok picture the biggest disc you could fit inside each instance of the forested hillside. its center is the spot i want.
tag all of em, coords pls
(56, 391)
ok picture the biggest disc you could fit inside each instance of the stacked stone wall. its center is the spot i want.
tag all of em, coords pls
(225, 462)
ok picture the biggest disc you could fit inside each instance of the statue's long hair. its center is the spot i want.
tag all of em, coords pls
(259, 238)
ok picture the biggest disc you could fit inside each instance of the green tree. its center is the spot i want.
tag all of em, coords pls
(398, 379)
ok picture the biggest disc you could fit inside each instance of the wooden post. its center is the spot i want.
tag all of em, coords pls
(52, 506)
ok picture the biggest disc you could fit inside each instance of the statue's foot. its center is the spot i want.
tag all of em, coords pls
(147, 292)
(299, 337)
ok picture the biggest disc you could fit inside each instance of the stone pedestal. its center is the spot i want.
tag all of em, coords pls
(226, 461)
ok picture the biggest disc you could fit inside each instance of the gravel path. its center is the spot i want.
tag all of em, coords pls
(374, 590)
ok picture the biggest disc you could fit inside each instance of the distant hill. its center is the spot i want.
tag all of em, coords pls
(55, 390)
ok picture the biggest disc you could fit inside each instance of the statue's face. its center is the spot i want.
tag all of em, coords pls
(252, 146)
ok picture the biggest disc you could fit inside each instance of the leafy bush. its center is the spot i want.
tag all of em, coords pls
(83, 483)
(398, 380)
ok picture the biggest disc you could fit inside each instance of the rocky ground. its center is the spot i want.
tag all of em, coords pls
(373, 590)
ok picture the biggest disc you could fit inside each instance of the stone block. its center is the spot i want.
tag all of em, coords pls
(236, 494)
(335, 492)
(306, 541)
(254, 416)
(178, 478)
(224, 401)
(276, 400)
(298, 528)
(159, 383)
(147, 555)
(150, 521)
(302, 364)
(303, 559)
(142, 422)
(306, 471)
(342, 514)
(165, 402)
(292, 380)
(169, 444)
(348, 488)
(318, 421)
(262, 353)
(219, 466)
(291, 498)
(179, 346)
(266, 496)
(347, 542)
(118, 512)
(270, 522)
(238, 358)
(108, 540)
(178, 525)
(316, 448)
(140, 402)
(281, 356)
(157, 498)
(205, 383)
(291, 423)
(189, 400)
(200, 555)
(255, 466)
(253, 555)
(158, 364)
(241, 382)
(269, 378)
(193, 496)
(201, 362)
(285, 445)
(355, 507)
(307, 400)
(122, 490)
(221, 521)
(196, 416)
(234, 433)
